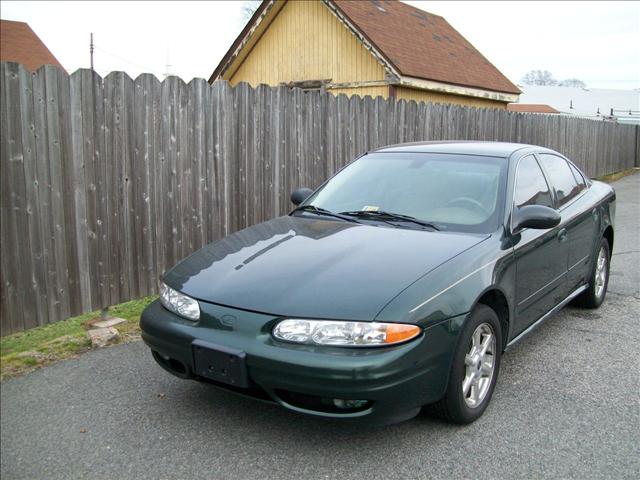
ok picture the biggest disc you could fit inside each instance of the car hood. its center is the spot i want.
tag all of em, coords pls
(315, 268)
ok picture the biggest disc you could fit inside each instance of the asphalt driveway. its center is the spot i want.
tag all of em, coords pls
(567, 405)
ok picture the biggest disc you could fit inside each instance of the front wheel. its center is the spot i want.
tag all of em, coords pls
(593, 296)
(475, 368)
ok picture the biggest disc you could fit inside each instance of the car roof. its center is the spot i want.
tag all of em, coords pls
(492, 149)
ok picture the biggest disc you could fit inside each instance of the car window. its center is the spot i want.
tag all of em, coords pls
(456, 192)
(531, 187)
(561, 177)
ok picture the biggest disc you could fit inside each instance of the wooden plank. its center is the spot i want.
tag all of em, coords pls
(130, 191)
(243, 97)
(21, 207)
(229, 143)
(281, 199)
(55, 155)
(33, 249)
(320, 132)
(90, 135)
(210, 201)
(161, 179)
(270, 149)
(11, 197)
(154, 153)
(184, 172)
(108, 197)
(77, 183)
(72, 270)
(43, 174)
(143, 133)
(215, 163)
(199, 89)
(259, 199)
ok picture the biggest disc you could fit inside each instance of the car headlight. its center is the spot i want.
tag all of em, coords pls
(347, 334)
(179, 303)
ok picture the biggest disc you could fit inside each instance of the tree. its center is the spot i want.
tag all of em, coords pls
(249, 7)
(573, 82)
(539, 77)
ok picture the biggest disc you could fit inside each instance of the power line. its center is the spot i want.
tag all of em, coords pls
(145, 69)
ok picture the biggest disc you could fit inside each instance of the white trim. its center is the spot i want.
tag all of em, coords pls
(454, 284)
(578, 263)
(245, 40)
(356, 32)
(422, 84)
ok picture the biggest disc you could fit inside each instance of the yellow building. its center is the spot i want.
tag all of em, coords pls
(379, 48)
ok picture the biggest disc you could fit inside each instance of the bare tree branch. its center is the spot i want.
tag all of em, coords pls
(539, 77)
(249, 7)
(573, 82)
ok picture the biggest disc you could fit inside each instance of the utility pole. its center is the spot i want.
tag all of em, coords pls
(168, 66)
(91, 49)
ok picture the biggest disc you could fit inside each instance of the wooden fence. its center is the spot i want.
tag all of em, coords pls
(108, 182)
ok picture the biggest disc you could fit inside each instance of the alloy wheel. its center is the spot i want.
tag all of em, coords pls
(602, 271)
(480, 364)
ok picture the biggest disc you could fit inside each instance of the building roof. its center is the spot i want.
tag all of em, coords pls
(423, 45)
(410, 43)
(531, 108)
(18, 43)
(587, 102)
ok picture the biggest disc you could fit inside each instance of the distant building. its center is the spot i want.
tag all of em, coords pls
(615, 105)
(531, 108)
(378, 48)
(18, 43)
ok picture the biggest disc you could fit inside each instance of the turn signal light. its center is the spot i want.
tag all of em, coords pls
(345, 334)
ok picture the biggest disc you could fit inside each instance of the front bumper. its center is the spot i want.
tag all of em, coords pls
(397, 380)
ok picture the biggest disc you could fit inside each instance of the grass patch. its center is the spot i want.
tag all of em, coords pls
(612, 177)
(25, 351)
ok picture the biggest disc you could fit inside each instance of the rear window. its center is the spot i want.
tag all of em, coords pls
(561, 177)
(577, 174)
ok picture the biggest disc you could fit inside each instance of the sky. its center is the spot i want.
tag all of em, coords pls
(597, 42)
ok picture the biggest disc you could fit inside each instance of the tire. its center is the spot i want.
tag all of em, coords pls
(593, 296)
(458, 406)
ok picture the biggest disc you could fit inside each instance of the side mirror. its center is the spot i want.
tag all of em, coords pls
(300, 195)
(535, 216)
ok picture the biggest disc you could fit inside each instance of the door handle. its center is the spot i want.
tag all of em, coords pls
(562, 235)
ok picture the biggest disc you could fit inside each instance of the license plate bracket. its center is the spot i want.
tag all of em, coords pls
(220, 363)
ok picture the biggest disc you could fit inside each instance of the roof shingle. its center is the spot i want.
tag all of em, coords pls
(531, 108)
(18, 43)
(423, 45)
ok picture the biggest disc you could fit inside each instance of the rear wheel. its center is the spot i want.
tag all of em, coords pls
(593, 296)
(475, 368)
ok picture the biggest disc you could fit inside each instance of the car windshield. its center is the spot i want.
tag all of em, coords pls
(452, 192)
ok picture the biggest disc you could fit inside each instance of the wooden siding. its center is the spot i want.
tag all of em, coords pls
(417, 95)
(305, 41)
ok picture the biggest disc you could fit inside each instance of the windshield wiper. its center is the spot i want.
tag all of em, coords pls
(323, 211)
(382, 215)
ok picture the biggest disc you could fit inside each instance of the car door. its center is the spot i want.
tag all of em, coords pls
(540, 255)
(579, 219)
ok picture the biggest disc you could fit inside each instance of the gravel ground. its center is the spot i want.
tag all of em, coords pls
(567, 405)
